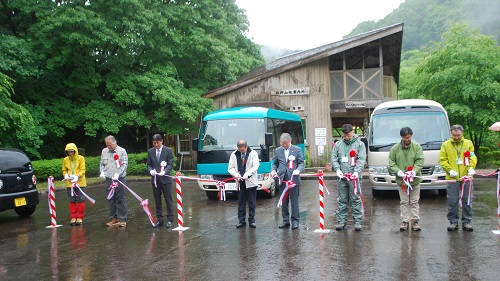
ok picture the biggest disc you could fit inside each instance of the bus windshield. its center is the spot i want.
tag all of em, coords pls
(429, 128)
(224, 134)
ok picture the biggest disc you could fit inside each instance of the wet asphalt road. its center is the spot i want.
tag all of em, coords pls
(213, 249)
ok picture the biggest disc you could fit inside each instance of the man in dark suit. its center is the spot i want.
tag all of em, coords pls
(160, 163)
(287, 164)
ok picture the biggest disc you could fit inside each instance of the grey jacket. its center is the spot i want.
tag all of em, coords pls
(280, 164)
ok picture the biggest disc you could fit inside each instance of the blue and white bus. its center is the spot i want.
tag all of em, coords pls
(260, 127)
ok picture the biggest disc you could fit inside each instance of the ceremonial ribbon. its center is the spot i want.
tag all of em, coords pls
(284, 194)
(291, 158)
(466, 158)
(117, 160)
(356, 188)
(352, 154)
(465, 179)
(112, 188)
(409, 176)
(76, 185)
(222, 190)
(143, 202)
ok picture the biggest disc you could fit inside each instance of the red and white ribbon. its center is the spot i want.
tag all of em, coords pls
(117, 160)
(357, 189)
(222, 190)
(464, 180)
(284, 194)
(112, 188)
(143, 202)
(76, 185)
(352, 155)
(291, 160)
(466, 158)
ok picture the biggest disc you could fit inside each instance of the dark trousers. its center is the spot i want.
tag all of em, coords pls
(293, 196)
(244, 195)
(166, 190)
(117, 203)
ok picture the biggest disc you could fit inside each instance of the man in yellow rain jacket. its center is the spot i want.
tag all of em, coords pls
(458, 159)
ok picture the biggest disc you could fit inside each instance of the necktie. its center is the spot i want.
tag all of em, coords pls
(243, 155)
(158, 154)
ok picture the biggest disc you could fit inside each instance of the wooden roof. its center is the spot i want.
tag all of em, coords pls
(390, 36)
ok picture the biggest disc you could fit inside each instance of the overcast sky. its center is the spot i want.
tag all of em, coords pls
(305, 24)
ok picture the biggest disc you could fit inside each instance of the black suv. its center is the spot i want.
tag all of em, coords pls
(17, 183)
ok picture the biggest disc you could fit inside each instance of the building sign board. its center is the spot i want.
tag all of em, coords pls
(291, 92)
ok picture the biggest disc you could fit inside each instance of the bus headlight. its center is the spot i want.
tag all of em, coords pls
(379, 170)
(206, 177)
(439, 170)
(262, 177)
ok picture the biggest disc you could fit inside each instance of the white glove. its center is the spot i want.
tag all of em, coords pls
(340, 174)
(102, 176)
(115, 177)
(66, 177)
(401, 174)
(152, 173)
(75, 178)
(273, 173)
(296, 172)
(162, 173)
(471, 172)
(453, 173)
(245, 176)
(355, 174)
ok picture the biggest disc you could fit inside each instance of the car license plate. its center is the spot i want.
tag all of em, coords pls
(20, 201)
(230, 186)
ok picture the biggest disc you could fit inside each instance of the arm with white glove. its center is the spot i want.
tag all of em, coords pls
(296, 172)
(273, 173)
(66, 177)
(471, 172)
(340, 174)
(355, 174)
(152, 172)
(453, 173)
(115, 177)
(102, 176)
(401, 174)
(162, 173)
(75, 178)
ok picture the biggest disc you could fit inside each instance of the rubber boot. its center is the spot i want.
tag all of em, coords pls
(80, 213)
(73, 213)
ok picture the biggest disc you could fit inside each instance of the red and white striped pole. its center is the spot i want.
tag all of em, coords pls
(52, 204)
(321, 204)
(180, 219)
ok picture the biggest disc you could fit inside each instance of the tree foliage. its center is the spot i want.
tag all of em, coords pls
(462, 72)
(91, 68)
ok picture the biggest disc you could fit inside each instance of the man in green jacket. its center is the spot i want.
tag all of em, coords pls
(406, 160)
(348, 156)
(458, 159)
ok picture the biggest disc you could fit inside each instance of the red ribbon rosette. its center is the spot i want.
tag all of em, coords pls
(117, 159)
(352, 154)
(466, 158)
(410, 174)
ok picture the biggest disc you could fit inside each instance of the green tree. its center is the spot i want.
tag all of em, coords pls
(462, 72)
(125, 66)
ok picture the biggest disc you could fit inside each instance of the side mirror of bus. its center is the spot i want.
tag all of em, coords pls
(194, 144)
(269, 139)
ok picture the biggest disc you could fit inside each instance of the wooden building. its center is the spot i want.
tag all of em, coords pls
(327, 86)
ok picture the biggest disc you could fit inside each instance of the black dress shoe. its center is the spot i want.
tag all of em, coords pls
(158, 224)
(295, 226)
(169, 224)
(284, 225)
(253, 225)
(241, 224)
